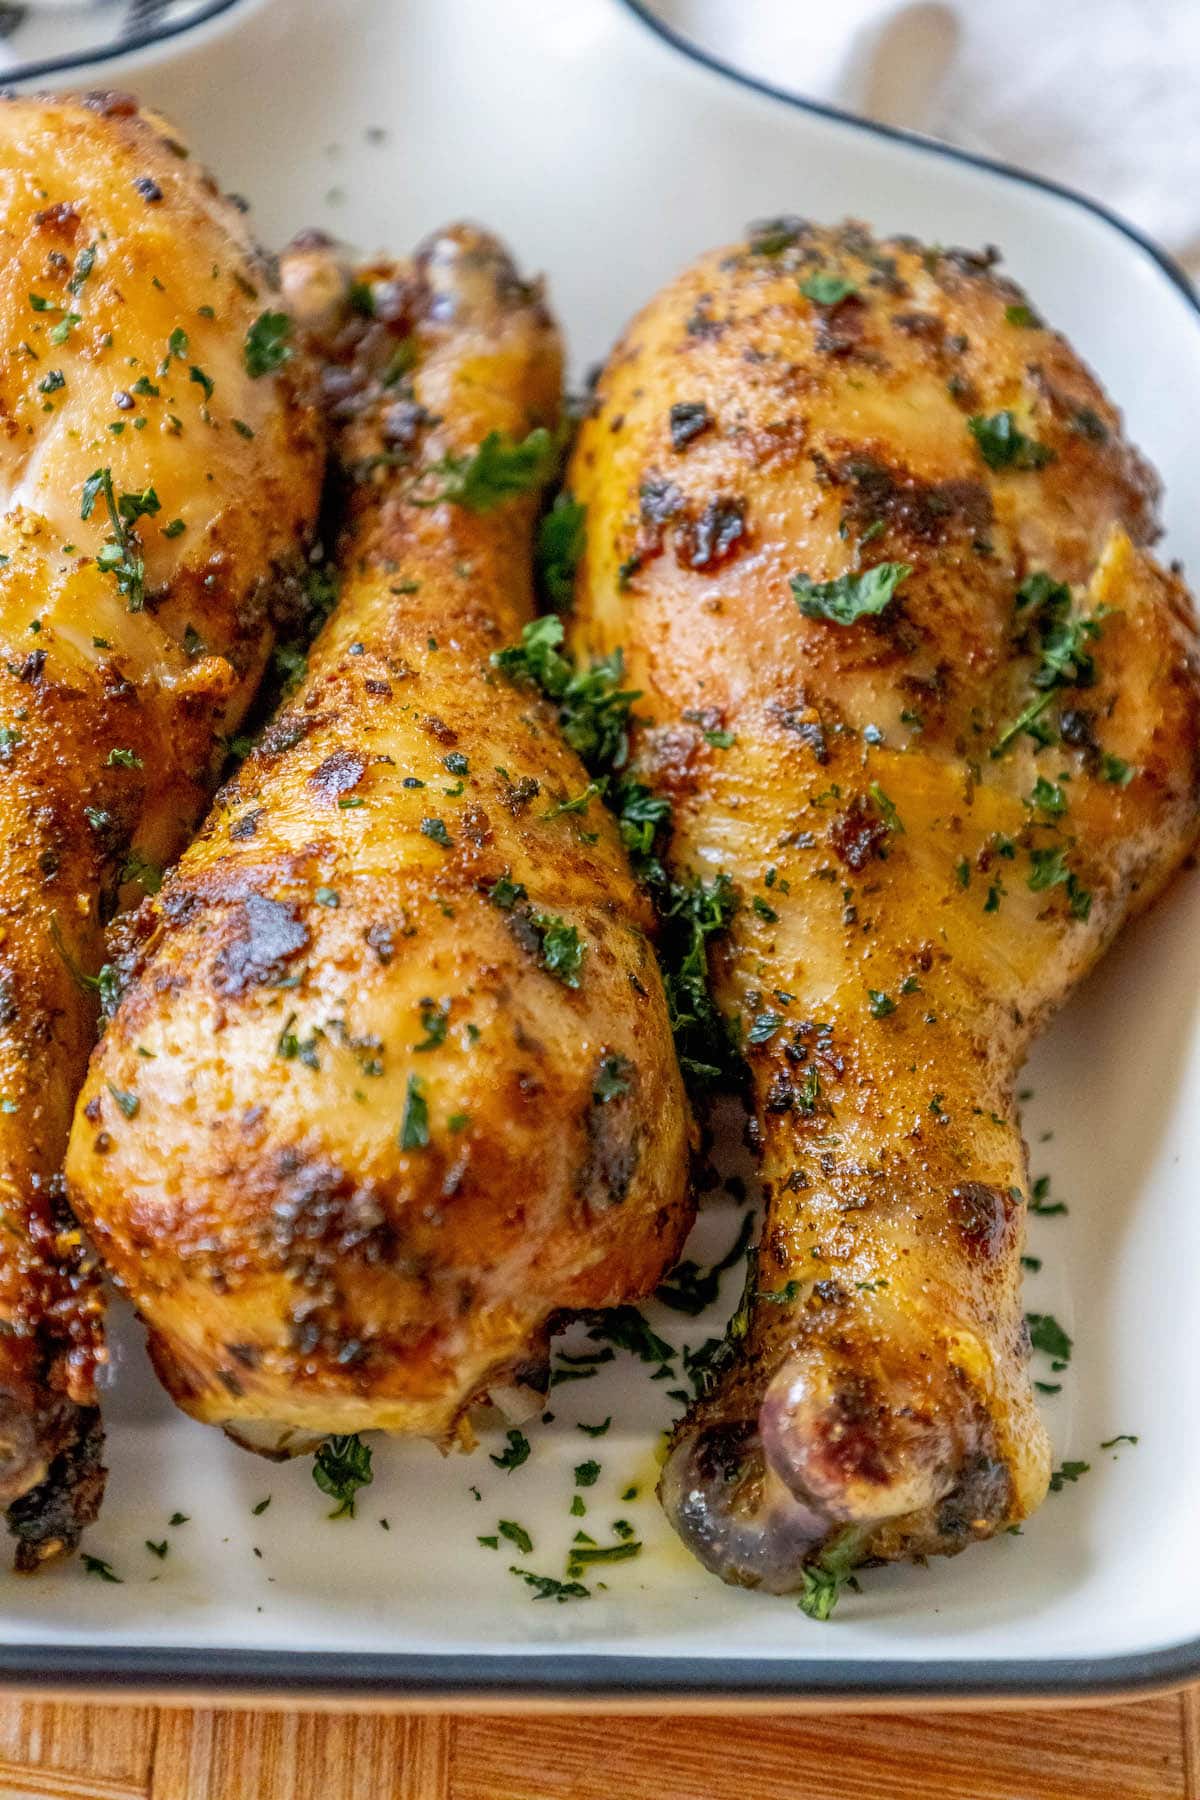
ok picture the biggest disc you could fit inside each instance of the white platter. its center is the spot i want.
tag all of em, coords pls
(608, 157)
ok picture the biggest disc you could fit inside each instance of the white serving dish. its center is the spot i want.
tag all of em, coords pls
(609, 156)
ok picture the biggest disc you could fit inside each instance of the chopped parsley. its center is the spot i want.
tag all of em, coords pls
(119, 554)
(771, 237)
(1003, 446)
(436, 829)
(1039, 1202)
(414, 1126)
(690, 1288)
(1049, 869)
(516, 1453)
(580, 803)
(506, 893)
(827, 290)
(850, 596)
(1048, 797)
(1070, 1471)
(1047, 1335)
(499, 470)
(546, 1587)
(625, 1327)
(694, 911)
(85, 262)
(784, 1296)
(881, 1004)
(641, 814)
(562, 539)
(593, 708)
(763, 1027)
(1059, 638)
(562, 949)
(267, 345)
(826, 1576)
(581, 1556)
(435, 1020)
(587, 1474)
(96, 1565)
(341, 1466)
(516, 1534)
(887, 810)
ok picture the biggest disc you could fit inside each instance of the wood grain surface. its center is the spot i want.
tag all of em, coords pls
(52, 1751)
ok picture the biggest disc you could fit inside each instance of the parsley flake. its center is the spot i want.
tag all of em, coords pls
(414, 1126)
(850, 596)
(1003, 446)
(267, 347)
(341, 1466)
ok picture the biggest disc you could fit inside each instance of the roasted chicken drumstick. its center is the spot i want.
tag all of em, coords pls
(872, 542)
(161, 481)
(411, 1086)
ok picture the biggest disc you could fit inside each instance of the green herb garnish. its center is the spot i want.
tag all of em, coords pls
(593, 708)
(562, 539)
(1003, 446)
(828, 1574)
(341, 1466)
(850, 596)
(827, 290)
(562, 949)
(1070, 1471)
(499, 470)
(267, 345)
(414, 1125)
(1047, 1335)
(689, 1288)
(516, 1453)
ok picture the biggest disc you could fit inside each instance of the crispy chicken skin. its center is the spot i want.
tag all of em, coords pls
(126, 654)
(383, 1138)
(922, 879)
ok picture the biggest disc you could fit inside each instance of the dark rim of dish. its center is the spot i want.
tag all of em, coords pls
(609, 1679)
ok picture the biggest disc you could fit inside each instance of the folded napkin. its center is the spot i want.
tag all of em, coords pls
(1101, 94)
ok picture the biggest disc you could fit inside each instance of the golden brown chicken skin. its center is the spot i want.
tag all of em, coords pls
(871, 540)
(144, 539)
(411, 1088)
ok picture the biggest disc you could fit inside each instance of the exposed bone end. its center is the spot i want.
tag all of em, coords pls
(897, 1459)
(859, 1449)
(734, 1513)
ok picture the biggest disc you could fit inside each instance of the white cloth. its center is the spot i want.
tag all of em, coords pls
(1101, 94)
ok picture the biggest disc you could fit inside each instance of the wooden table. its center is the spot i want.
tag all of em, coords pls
(1150, 1751)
